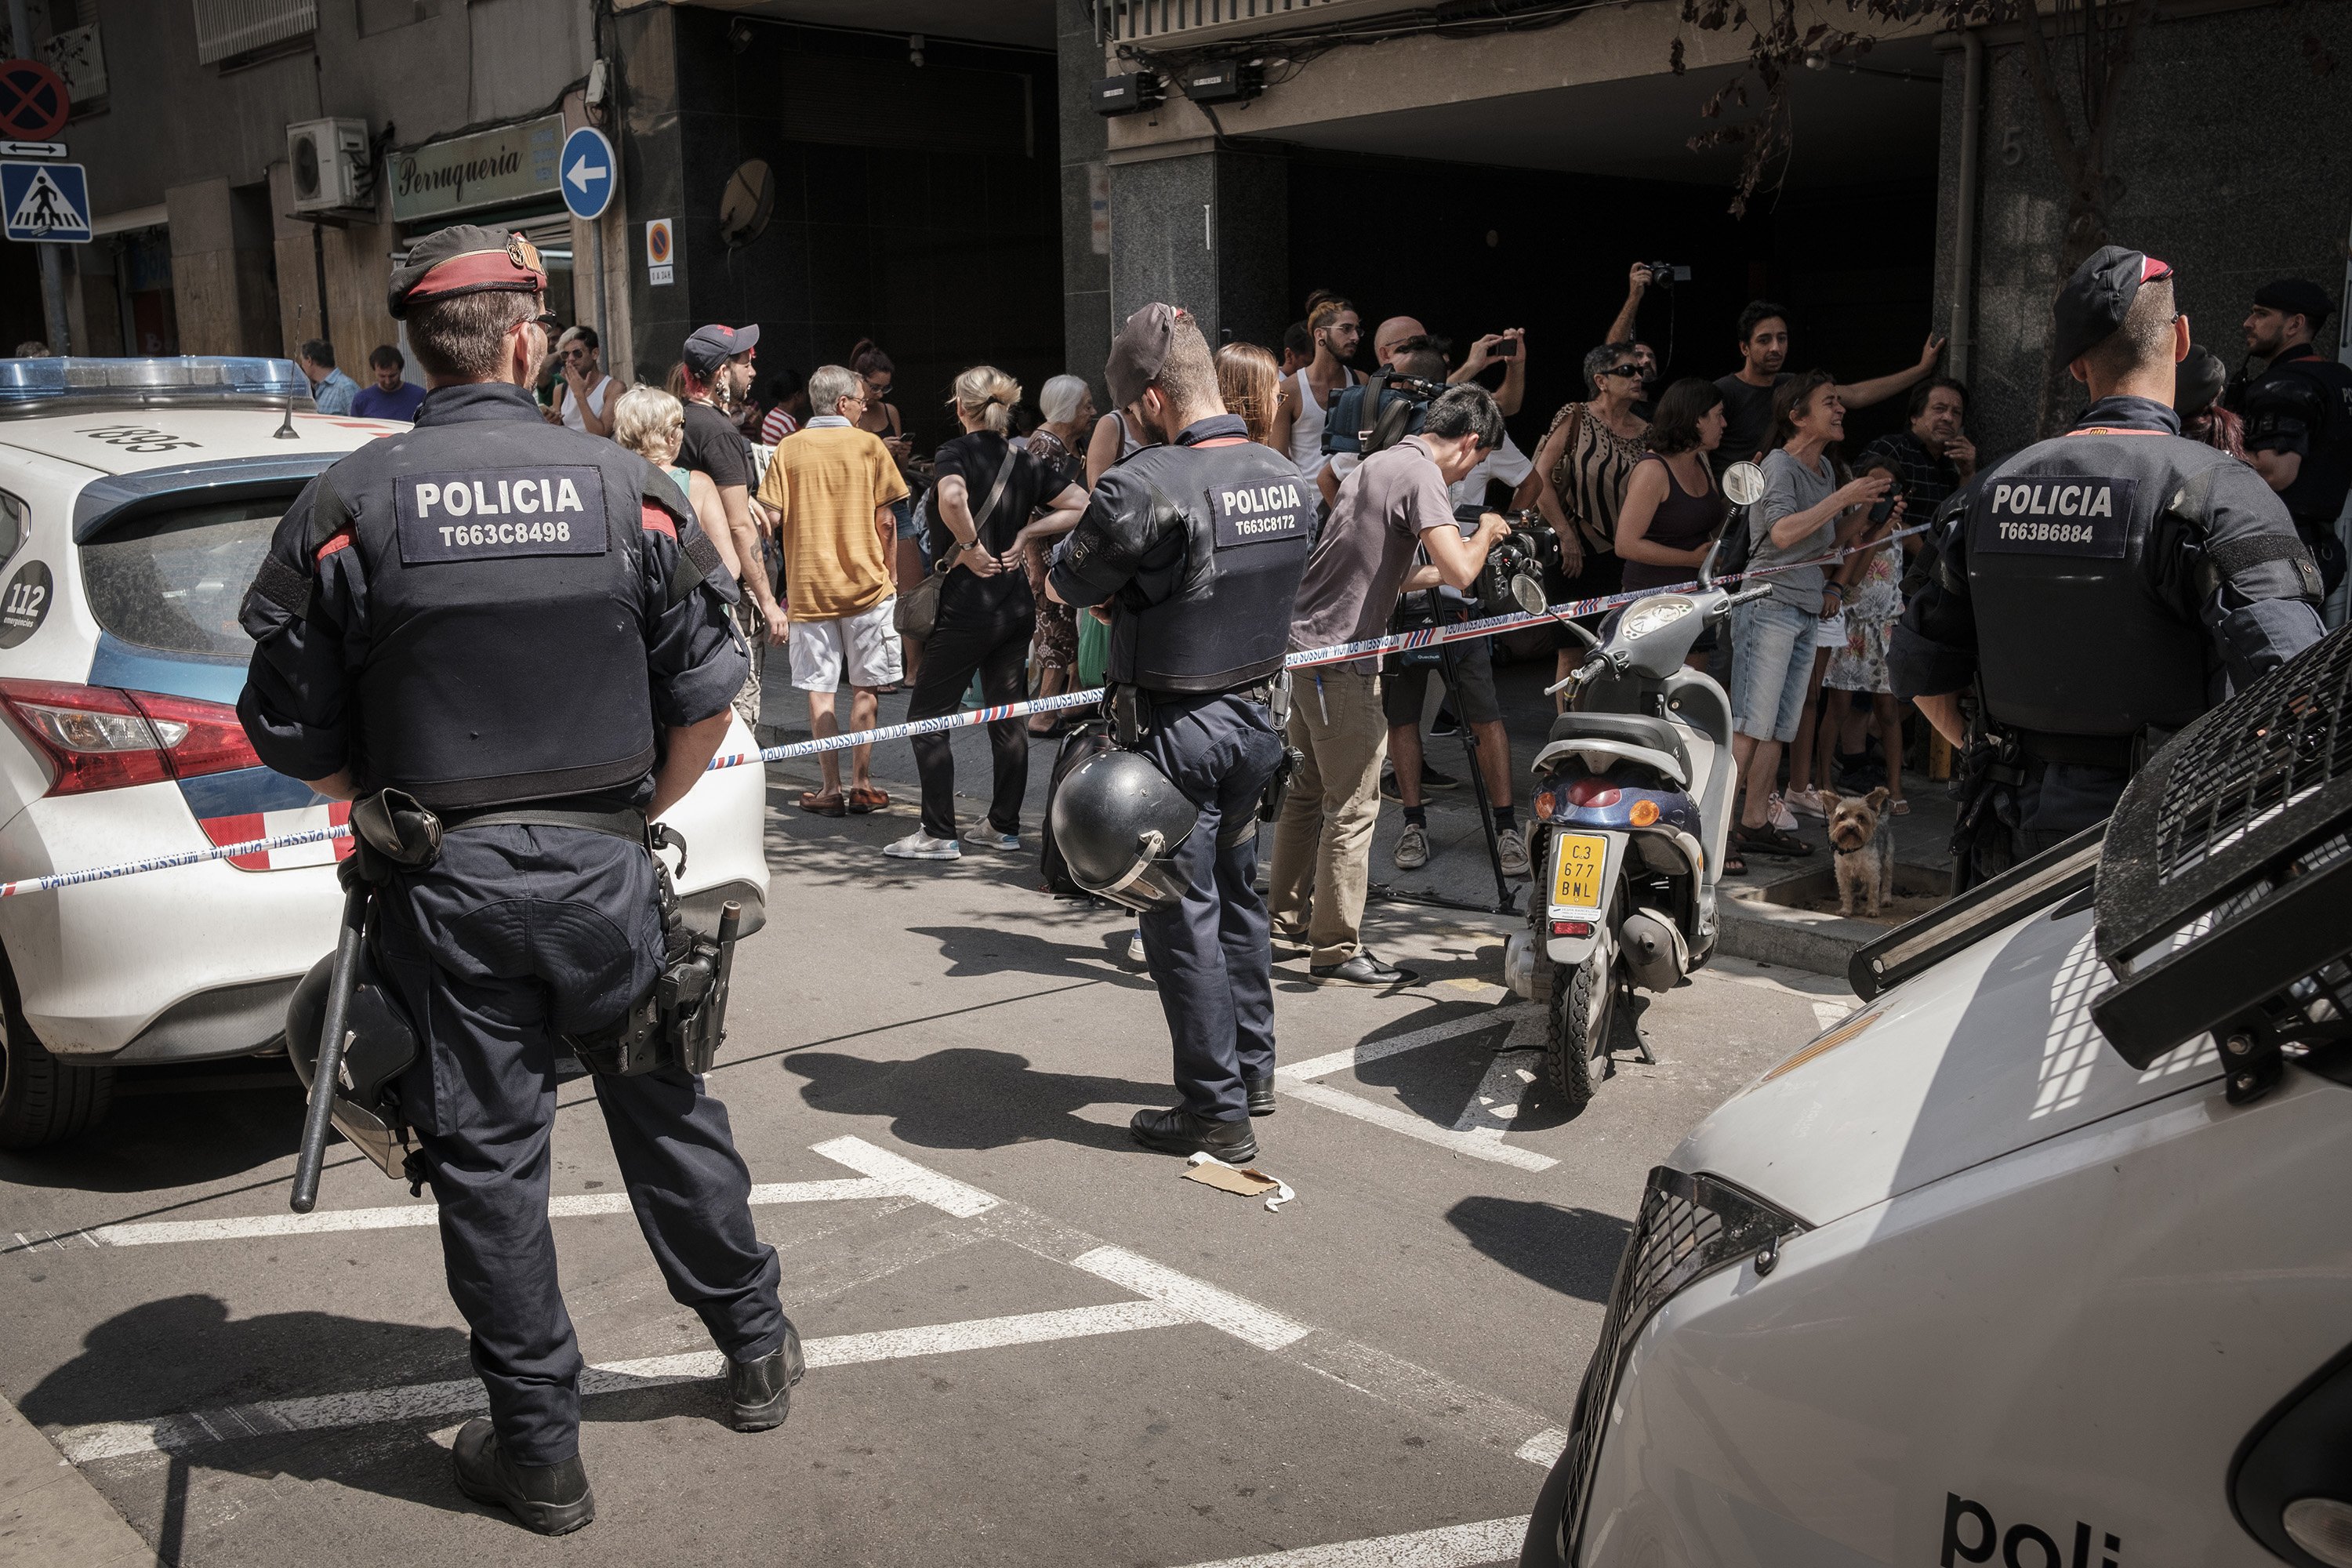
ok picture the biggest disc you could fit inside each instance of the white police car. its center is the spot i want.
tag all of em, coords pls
(2041, 1258)
(136, 499)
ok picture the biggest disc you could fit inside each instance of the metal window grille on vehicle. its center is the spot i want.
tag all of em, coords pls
(1689, 1226)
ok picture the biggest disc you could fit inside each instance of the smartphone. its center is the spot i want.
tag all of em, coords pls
(1885, 507)
(1507, 349)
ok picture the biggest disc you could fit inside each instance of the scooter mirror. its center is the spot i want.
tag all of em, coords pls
(1530, 594)
(1743, 484)
(1707, 567)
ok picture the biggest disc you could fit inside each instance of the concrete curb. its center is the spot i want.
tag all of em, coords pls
(1800, 938)
(50, 1514)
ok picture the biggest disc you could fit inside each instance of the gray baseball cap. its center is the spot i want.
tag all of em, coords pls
(707, 348)
(1138, 352)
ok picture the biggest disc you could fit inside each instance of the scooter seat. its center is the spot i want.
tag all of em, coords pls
(1633, 728)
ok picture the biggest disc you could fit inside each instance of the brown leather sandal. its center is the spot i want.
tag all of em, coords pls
(864, 800)
(819, 803)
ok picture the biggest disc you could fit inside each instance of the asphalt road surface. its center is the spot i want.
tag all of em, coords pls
(1030, 1342)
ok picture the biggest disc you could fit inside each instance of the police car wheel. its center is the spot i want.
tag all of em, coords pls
(1583, 1009)
(43, 1100)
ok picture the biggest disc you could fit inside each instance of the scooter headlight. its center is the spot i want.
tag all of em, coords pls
(1651, 613)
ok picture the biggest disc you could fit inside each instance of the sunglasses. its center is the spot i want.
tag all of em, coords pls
(544, 322)
(1630, 371)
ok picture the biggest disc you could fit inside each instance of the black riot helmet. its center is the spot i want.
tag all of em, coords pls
(380, 1044)
(1118, 820)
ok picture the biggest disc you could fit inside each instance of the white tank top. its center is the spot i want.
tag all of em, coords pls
(574, 419)
(1307, 429)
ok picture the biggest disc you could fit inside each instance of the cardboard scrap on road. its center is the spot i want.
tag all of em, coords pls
(1247, 1180)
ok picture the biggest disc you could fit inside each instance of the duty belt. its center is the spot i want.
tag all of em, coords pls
(1130, 706)
(624, 821)
(2120, 752)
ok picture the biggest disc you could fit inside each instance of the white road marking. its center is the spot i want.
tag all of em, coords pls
(1473, 1144)
(1544, 1449)
(944, 1193)
(174, 1433)
(1453, 1546)
(1373, 1050)
(1170, 1298)
(405, 1216)
(1195, 1299)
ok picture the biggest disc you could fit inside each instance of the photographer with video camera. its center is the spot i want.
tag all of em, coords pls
(1395, 501)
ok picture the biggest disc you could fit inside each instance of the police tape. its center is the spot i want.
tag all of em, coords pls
(1423, 637)
(1393, 642)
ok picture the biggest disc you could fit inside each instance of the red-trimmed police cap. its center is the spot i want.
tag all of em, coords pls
(465, 258)
(2090, 308)
(2296, 297)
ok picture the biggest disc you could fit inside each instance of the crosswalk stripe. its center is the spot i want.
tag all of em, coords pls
(1374, 1050)
(1451, 1546)
(939, 1191)
(1471, 1143)
(1195, 1299)
(194, 1429)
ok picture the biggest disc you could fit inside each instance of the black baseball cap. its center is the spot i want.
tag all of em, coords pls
(2296, 297)
(2092, 306)
(1138, 352)
(465, 258)
(707, 348)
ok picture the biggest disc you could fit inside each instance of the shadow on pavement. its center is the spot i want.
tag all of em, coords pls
(1572, 1250)
(966, 1097)
(176, 1134)
(993, 950)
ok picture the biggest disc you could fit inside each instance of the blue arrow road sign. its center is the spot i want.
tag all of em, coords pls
(44, 201)
(588, 172)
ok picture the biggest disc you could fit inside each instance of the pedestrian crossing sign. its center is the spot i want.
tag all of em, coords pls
(44, 201)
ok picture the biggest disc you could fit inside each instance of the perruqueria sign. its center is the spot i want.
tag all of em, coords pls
(494, 168)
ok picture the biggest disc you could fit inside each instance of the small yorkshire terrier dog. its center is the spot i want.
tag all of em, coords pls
(1863, 851)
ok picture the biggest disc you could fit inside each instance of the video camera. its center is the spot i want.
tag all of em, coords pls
(1513, 578)
(1666, 274)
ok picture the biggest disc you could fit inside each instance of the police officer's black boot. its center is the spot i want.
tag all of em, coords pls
(552, 1499)
(1260, 1093)
(760, 1393)
(1179, 1132)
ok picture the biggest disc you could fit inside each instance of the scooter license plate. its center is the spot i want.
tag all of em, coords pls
(1576, 874)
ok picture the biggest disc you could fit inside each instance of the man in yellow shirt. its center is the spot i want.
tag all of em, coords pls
(832, 485)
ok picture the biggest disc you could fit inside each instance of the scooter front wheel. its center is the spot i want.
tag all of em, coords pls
(1583, 1010)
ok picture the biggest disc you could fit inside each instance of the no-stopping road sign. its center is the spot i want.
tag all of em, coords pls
(33, 100)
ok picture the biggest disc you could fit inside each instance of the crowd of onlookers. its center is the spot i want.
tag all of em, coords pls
(880, 568)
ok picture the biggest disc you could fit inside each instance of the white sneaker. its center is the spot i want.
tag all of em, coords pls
(1811, 803)
(1779, 814)
(987, 837)
(1513, 845)
(1413, 847)
(921, 845)
(1135, 953)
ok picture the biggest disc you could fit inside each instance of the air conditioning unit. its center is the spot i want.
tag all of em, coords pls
(330, 162)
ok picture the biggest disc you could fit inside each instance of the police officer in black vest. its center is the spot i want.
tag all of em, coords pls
(1195, 547)
(521, 628)
(2102, 589)
(2298, 415)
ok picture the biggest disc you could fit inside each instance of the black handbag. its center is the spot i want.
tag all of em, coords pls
(918, 607)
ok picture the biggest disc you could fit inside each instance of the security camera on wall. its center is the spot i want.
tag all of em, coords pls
(329, 164)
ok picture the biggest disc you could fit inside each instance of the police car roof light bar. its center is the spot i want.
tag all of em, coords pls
(35, 386)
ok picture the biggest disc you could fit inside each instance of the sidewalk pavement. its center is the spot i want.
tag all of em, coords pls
(50, 1515)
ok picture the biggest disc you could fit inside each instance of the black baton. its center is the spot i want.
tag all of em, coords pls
(329, 1068)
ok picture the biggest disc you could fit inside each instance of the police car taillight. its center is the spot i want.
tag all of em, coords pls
(98, 738)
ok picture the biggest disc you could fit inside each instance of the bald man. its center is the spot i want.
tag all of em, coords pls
(1398, 330)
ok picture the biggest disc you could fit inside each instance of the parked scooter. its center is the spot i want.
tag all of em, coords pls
(1634, 796)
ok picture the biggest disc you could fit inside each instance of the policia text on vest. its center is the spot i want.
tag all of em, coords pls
(517, 632)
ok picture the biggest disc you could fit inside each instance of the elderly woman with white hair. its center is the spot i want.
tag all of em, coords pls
(1068, 406)
(651, 423)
